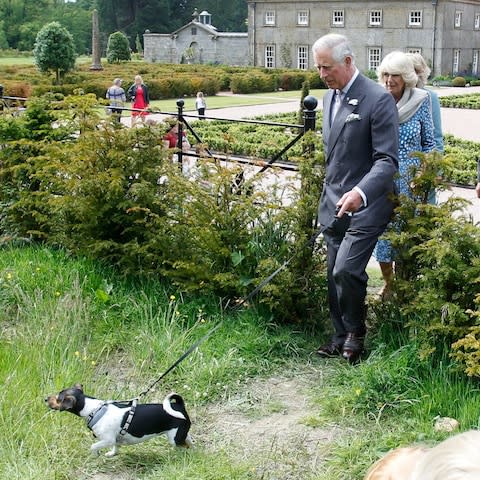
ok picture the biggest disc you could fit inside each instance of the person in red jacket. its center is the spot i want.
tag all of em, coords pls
(138, 94)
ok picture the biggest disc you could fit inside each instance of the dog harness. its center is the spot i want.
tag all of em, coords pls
(95, 416)
(129, 419)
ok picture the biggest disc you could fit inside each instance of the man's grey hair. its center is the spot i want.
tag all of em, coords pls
(338, 44)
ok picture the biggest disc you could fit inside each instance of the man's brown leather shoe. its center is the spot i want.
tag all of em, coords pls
(352, 348)
(329, 350)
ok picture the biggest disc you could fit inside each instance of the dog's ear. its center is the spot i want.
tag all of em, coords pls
(78, 386)
(68, 402)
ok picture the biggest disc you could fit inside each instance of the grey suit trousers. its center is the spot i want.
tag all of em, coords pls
(348, 253)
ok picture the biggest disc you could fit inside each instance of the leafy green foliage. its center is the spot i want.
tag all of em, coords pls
(118, 48)
(54, 50)
(461, 160)
(437, 263)
(471, 100)
(114, 194)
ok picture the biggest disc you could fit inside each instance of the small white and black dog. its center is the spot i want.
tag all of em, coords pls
(126, 423)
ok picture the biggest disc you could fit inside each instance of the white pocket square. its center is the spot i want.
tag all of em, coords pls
(353, 117)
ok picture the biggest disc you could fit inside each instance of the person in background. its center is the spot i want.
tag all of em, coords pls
(423, 72)
(170, 139)
(138, 94)
(360, 137)
(397, 74)
(200, 104)
(116, 95)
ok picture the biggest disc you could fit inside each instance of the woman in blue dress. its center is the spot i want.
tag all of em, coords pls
(397, 74)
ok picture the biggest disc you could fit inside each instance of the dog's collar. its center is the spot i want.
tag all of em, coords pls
(96, 415)
(129, 419)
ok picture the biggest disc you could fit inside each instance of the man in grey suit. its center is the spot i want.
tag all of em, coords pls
(360, 136)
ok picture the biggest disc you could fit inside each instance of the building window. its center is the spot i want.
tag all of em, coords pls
(374, 57)
(270, 56)
(414, 50)
(302, 57)
(458, 19)
(476, 54)
(302, 18)
(194, 31)
(476, 22)
(375, 19)
(270, 17)
(456, 61)
(338, 18)
(415, 18)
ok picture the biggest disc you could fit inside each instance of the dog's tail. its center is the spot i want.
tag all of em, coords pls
(175, 399)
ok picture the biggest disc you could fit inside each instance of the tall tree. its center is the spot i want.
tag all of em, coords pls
(133, 17)
(54, 50)
(22, 19)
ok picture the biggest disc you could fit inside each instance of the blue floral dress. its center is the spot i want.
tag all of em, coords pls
(415, 135)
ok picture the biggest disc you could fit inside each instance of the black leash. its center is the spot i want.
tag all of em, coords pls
(242, 302)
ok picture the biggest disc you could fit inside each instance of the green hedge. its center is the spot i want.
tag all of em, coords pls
(164, 81)
(471, 101)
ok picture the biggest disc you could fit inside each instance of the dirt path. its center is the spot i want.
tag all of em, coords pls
(272, 425)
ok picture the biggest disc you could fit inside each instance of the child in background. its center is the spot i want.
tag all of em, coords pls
(200, 104)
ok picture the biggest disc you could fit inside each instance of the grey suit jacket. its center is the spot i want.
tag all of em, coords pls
(361, 149)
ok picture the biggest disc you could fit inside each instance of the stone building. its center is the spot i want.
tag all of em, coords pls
(197, 42)
(445, 32)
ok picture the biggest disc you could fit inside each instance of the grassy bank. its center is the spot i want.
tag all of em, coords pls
(65, 321)
(262, 406)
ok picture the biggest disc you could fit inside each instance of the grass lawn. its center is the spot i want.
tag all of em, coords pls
(224, 101)
(16, 61)
(262, 406)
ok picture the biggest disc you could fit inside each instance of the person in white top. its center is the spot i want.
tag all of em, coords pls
(200, 104)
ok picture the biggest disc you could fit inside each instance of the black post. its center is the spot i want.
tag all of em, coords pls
(309, 114)
(180, 104)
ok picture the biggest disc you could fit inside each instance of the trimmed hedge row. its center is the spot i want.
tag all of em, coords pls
(471, 101)
(164, 81)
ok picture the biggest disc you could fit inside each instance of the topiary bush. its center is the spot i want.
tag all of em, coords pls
(118, 48)
(459, 82)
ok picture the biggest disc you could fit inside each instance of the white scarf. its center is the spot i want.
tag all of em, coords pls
(410, 102)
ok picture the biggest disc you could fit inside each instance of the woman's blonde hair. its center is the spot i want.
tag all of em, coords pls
(398, 63)
(421, 69)
(138, 77)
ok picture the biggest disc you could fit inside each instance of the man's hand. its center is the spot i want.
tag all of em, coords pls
(349, 203)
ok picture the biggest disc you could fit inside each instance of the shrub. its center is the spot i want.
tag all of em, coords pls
(54, 50)
(460, 164)
(100, 196)
(254, 82)
(437, 263)
(458, 82)
(291, 80)
(19, 89)
(118, 48)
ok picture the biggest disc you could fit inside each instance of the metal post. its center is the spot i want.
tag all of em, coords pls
(180, 104)
(309, 114)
